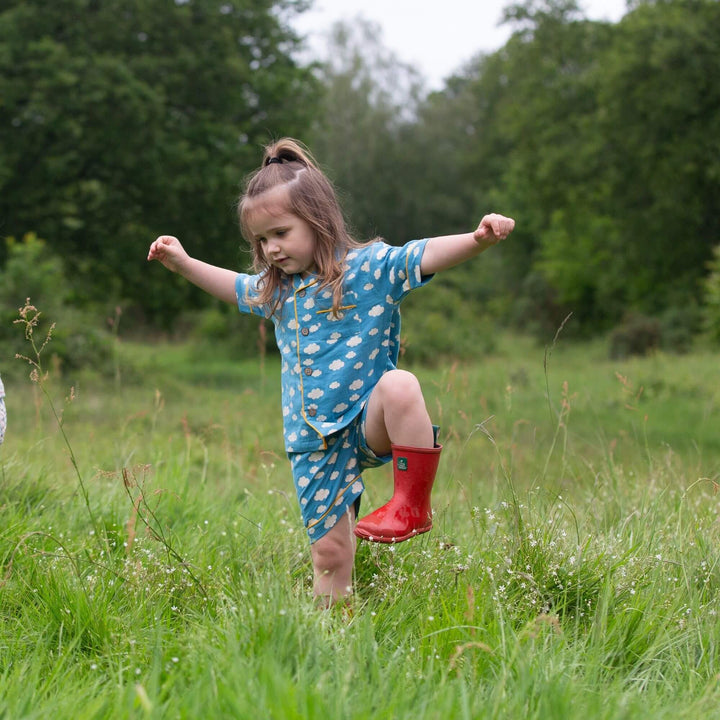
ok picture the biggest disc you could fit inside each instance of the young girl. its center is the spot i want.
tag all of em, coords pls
(334, 304)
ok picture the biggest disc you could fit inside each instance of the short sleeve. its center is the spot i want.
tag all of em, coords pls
(391, 271)
(246, 291)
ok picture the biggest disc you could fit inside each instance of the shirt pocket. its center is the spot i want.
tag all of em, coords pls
(334, 315)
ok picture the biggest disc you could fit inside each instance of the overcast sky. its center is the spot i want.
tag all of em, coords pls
(437, 38)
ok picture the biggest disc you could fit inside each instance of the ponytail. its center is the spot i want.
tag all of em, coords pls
(288, 150)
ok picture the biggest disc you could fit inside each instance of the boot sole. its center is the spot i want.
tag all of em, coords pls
(365, 535)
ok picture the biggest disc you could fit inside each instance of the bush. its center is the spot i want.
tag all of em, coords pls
(711, 298)
(33, 271)
(678, 327)
(637, 335)
(230, 333)
(439, 323)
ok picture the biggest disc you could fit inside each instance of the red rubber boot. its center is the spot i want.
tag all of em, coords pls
(409, 512)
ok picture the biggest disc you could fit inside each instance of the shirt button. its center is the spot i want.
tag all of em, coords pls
(305, 331)
(312, 412)
(301, 293)
(308, 371)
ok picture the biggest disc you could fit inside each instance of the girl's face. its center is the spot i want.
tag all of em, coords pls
(285, 240)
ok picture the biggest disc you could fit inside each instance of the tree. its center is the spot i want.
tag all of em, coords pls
(368, 106)
(529, 109)
(126, 118)
(661, 124)
(602, 139)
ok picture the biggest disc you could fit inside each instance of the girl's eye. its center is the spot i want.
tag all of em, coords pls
(281, 233)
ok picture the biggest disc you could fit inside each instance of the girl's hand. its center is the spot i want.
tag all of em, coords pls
(492, 229)
(168, 250)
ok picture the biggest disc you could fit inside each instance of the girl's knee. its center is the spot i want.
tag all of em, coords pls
(333, 553)
(400, 386)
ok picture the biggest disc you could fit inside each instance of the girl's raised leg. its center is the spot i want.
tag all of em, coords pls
(397, 415)
(397, 421)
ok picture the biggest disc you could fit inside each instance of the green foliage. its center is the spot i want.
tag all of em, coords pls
(600, 139)
(673, 331)
(711, 297)
(368, 102)
(223, 331)
(575, 258)
(440, 324)
(679, 325)
(34, 273)
(637, 335)
(32, 270)
(660, 125)
(122, 120)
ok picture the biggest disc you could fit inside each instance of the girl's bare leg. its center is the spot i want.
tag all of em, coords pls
(333, 556)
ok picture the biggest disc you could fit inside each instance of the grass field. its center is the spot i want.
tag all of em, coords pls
(153, 563)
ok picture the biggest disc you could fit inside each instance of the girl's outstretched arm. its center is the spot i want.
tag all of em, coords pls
(214, 280)
(444, 252)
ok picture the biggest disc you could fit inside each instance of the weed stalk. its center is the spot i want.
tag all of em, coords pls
(30, 318)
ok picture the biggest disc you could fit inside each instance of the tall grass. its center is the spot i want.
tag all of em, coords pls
(573, 570)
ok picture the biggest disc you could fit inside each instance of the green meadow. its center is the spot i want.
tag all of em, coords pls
(153, 563)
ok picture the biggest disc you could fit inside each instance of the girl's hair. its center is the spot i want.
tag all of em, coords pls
(310, 196)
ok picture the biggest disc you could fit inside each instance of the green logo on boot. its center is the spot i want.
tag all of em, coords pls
(402, 463)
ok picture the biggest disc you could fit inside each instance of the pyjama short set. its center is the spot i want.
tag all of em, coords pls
(331, 361)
